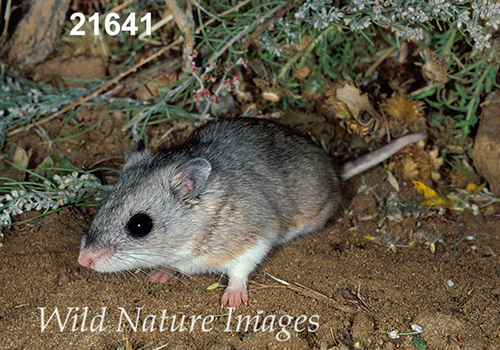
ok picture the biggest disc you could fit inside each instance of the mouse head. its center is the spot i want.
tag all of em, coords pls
(145, 221)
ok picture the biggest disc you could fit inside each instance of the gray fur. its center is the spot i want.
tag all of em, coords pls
(234, 185)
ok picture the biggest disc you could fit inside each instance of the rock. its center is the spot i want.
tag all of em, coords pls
(442, 331)
(34, 37)
(486, 150)
(491, 210)
(362, 330)
(63, 280)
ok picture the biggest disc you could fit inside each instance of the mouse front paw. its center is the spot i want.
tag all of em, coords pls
(160, 275)
(235, 294)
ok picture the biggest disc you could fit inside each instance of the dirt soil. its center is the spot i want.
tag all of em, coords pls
(366, 289)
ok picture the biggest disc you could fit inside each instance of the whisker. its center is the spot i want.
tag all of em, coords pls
(176, 276)
(73, 229)
(138, 279)
(79, 225)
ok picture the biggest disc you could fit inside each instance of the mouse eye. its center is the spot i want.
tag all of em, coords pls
(140, 225)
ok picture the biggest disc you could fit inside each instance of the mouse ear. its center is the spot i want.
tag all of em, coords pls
(190, 178)
(136, 154)
(139, 146)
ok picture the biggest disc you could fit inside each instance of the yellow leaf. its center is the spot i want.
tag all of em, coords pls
(433, 199)
(423, 189)
(475, 188)
(213, 286)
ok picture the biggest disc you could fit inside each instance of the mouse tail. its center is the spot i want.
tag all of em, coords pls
(361, 164)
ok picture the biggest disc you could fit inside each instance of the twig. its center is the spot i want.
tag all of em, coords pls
(161, 347)
(449, 307)
(117, 8)
(185, 23)
(388, 52)
(265, 25)
(225, 47)
(208, 13)
(98, 91)
(154, 28)
(197, 30)
(265, 286)
(311, 293)
(6, 17)
(367, 304)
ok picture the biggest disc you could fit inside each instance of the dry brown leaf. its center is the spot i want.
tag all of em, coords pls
(352, 97)
(21, 157)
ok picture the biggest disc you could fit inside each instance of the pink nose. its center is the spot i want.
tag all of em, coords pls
(97, 258)
(87, 258)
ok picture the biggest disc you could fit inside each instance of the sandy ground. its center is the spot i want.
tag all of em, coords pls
(365, 290)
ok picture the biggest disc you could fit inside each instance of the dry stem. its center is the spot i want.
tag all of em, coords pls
(98, 91)
(185, 23)
(312, 293)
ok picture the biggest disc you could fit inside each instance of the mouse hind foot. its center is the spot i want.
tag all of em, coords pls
(235, 293)
(238, 270)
